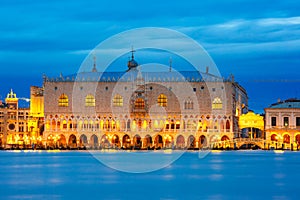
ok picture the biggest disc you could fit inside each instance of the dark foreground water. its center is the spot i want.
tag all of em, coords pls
(220, 175)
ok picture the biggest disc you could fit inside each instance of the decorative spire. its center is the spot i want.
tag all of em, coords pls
(132, 52)
(11, 95)
(170, 64)
(95, 65)
(132, 64)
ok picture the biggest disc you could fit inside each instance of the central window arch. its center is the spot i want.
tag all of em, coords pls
(188, 104)
(63, 100)
(90, 101)
(118, 100)
(217, 103)
(162, 100)
(139, 103)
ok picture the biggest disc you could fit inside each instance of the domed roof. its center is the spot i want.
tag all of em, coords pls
(132, 64)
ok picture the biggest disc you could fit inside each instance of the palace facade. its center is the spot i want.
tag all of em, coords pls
(282, 124)
(136, 109)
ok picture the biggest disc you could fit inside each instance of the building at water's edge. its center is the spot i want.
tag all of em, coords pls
(282, 124)
(133, 109)
(136, 109)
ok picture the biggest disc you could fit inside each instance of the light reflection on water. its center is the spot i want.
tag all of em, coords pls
(221, 175)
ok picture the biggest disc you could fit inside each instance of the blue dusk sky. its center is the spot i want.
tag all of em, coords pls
(258, 41)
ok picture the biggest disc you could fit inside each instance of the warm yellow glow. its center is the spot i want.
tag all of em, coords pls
(90, 101)
(36, 102)
(118, 100)
(63, 101)
(278, 151)
(251, 120)
(101, 124)
(161, 124)
(237, 112)
(217, 103)
(144, 124)
(48, 125)
(155, 124)
(133, 125)
(118, 125)
(162, 100)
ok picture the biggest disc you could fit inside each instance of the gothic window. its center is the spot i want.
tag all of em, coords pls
(118, 100)
(90, 101)
(217, 103)
(162, 100)
(63, 101)
(188, 104)
(139, 103)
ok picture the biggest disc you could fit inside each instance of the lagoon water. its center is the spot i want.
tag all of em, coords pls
(219, 175)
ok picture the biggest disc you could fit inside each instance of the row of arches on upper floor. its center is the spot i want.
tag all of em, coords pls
(139, 103)
(127, 142)
(172, 125)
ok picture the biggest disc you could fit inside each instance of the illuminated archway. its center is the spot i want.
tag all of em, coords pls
(137, 141)
(72, 141)
(158, 141)
(191, 142)
(168, 141)
(286, 139)
(147, 142)
(83, 140)
(104, 143)
(225, 138)
(115, 141)
(62, 142)
(94, 141)
(274, 137)
(297, 140)
(202, 141)
(180, 142)
(126, 141)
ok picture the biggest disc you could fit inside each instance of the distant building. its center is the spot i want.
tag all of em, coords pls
(282, 124)
(36, 115)
(13, 122)
(139, 109)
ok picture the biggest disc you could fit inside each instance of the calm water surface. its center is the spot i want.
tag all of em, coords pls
(221, 175)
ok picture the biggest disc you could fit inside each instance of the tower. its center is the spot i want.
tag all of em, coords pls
(95, 65)
(11, 100)
(132, 64)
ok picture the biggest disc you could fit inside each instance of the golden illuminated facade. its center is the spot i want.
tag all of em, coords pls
(136, 109)
(36, 115)
(251, 131)
(13, 123)
(283, 124)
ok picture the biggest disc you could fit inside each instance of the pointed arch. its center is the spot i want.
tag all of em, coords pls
(63, 100)
(188, 104)
(202, 141)
(217, 103)
(180, 142)
(72, 141)
(139, 103)
(162, 100)
(90, 101)
(118, 100)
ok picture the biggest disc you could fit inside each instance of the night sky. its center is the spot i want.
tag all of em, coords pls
(257, 41)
